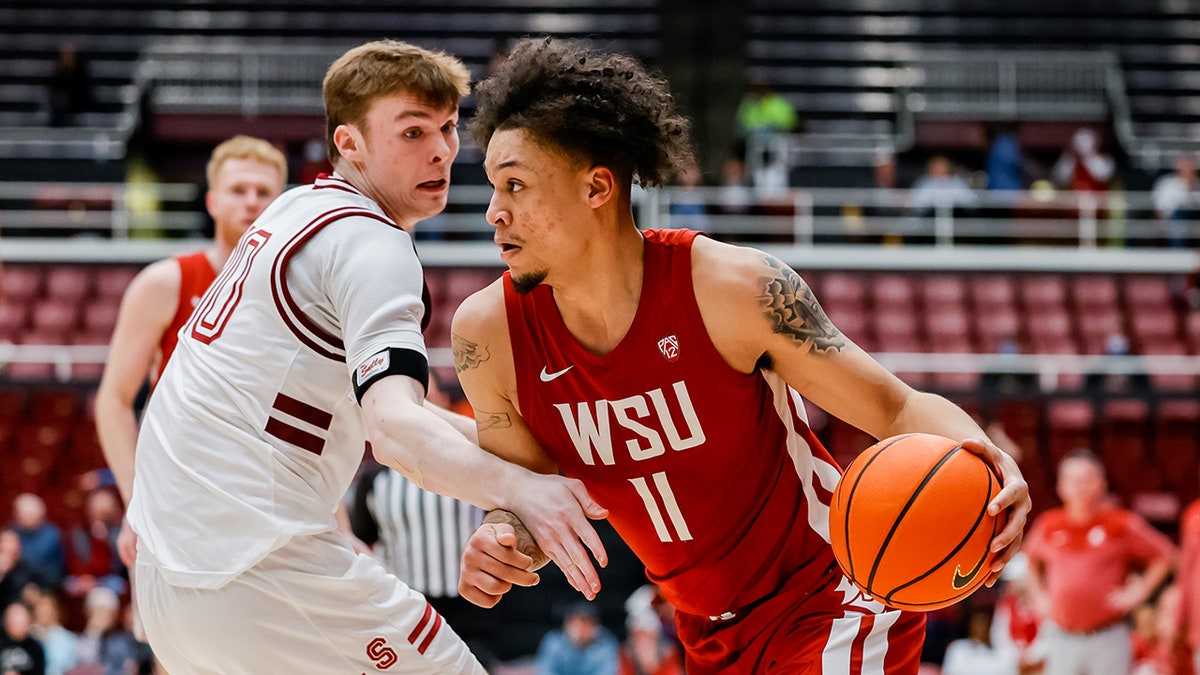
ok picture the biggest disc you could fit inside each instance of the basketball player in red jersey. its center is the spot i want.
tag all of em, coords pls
(244, 176)
(664, 370)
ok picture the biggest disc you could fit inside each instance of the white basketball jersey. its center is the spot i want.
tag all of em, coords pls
(253, 434)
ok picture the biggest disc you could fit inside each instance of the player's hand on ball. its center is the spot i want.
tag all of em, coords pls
(1014, 496)
(492, 564)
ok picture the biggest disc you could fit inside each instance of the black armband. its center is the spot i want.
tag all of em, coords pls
(390, 361)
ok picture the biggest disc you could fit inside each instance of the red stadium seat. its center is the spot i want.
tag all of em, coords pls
(842, 289)
(894, 323)
(110, 282)
(893, 291)
(1094, 292)
(1043, 292)
(69, 282)
(20, 283)
(1070, 426)
(995, 326)
(100, 317)
(992, 291)
(1147, 291)
(14, 318)
(54, 316)
(938, 292)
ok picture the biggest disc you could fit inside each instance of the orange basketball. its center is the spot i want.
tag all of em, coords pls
(909, 522)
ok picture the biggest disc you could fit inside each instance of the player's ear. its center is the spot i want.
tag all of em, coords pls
(601, 185)
(349, 142)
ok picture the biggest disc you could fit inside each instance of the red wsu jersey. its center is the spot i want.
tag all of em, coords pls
(196, 275)
(711, 476)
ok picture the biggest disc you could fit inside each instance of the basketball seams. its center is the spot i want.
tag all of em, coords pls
(850, 496)
(970, 533)
(903, 512)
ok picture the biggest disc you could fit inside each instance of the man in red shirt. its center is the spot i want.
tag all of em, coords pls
(1091, 563)
(1189, 579)
(665, 370)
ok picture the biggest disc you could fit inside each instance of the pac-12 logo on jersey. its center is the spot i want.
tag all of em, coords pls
(669, 346)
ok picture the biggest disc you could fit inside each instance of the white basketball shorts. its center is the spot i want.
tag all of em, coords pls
(313, 606)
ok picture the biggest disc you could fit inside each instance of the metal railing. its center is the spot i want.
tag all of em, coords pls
(822, 227)
(1045, 367)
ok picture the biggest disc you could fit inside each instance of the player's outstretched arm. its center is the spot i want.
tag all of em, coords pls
(483, 360)
(761, 313)
(410, 438)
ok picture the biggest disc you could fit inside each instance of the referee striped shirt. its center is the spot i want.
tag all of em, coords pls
(419, 534)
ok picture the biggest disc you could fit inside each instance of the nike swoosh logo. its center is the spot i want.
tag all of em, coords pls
(550, 377)
(961, 581)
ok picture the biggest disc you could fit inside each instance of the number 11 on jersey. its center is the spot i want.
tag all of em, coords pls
(664, 495)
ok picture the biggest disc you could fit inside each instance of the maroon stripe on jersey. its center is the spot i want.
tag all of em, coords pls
(297, 437)
(335, 187)
(416, 632)
(308, 332)
(437, 623)
(302, 411)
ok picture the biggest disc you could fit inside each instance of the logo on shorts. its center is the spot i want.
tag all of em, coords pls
(383, 655)
(669, 346)
(373, 365)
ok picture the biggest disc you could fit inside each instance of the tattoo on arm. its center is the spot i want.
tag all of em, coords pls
(525, 542)
(492, 420)
(789, 304)
(467, 354)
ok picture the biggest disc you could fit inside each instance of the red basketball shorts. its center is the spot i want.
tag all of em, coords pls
(832, 630)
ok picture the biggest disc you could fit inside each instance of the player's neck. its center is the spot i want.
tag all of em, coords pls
(218, 253)
(599, 296)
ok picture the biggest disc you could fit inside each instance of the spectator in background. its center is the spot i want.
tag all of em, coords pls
(1091, 563)
(761, 114)
(1176, 198)
(1016, 625)
(70, 87)
(1188, 615)
(646, 650)
(61, 645)
(15, 574)
(92, 547)
(688, 208)
(1082, 166)
(940, 186)
(1005, 162)
(105, 641)
(974, 654)
(244, 175)
(20, 652)
(41, 540)
(581, 647)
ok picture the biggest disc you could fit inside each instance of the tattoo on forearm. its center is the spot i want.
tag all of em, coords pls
(525, 542)
(492, 420)
(467, 354)
(789, 304)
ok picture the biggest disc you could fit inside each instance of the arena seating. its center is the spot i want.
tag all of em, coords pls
(47, 430)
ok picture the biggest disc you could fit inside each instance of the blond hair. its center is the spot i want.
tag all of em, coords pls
(384, 67)
(246, 147)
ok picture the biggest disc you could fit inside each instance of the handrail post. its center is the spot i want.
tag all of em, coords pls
(802, 218)
(1088, 208)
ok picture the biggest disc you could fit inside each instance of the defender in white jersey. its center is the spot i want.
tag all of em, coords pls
(306, 346)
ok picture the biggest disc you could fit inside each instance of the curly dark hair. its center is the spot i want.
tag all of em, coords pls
(605, 108)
